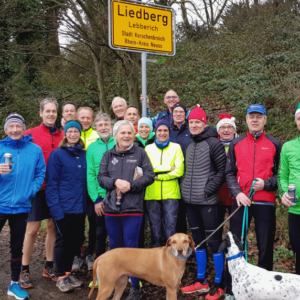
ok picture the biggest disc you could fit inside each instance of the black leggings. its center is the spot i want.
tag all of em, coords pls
(294, 233)
(69, 232)
(221, 215)
(101, 235)
(17, 225)
(203, 220)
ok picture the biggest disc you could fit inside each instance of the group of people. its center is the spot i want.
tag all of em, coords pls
(173, 168)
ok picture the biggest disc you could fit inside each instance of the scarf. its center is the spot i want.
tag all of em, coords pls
(226, 143)
(51, 129)
(144, 142)
(162, 146)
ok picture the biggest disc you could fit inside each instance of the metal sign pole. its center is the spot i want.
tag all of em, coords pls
(144, 84)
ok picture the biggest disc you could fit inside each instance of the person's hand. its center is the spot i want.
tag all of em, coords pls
(155, 177)
(122, 186)
(99, 209)
(172, 169)
(4, 169)
(286, 200)
(242, 199)
(142, 98)
(259, 185)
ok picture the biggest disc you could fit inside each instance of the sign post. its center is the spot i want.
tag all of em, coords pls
(141, 27)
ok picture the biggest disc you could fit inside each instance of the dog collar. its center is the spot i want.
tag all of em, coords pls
(183, 257)
(241, 254)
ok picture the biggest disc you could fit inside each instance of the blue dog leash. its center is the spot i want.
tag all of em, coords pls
(245, 220)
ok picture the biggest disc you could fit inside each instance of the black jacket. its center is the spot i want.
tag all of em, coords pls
(181, 136)
(138, 143)
(115, 166)
(204, 169)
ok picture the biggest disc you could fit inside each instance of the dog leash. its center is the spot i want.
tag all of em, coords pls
(200, 244)
(245, 221)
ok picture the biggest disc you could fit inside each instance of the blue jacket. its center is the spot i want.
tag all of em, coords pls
(181, 136)
(166, 115)
(26, 178)
(66, 188)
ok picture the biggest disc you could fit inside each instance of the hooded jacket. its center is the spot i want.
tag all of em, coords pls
(115, 166)
(166, 115)
(166, 186)
(89, 136)
(204, 169)
(94, 155)
(27, 175)
(66, 190)
(48, 142)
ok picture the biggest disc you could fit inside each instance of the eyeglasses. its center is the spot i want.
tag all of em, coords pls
(226, 127)
(171, 97)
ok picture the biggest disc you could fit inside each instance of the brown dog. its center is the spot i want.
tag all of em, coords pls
(162, 266)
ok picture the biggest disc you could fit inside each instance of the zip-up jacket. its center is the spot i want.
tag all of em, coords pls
(289, 171)
(249, 158)
(47, 141)
(204, 169)
(166, 186)
(115, 166)
(66, 190)
(181, 136)
(26, 178)
(166, 115)
(138, 142)
(89, 136)
(93, 158)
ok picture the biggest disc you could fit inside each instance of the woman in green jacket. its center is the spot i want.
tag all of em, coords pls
(289, 173)
(162, 196)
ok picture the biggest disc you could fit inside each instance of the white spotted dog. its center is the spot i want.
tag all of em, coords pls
(254, 283)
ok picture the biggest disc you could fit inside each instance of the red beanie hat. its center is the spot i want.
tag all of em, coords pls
(198, 113)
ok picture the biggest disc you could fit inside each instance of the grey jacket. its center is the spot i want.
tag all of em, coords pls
(204, 169)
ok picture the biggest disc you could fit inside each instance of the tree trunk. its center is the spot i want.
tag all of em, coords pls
(52, 24)
(131, 67)
(100, 83)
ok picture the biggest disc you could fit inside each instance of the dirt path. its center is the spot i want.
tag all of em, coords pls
(46, 290)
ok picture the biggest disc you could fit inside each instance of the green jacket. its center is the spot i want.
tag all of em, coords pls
(289, 171)
(89, 137)
(166, 186)
(93, 158)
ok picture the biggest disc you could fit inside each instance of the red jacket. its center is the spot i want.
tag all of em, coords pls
(43, 138)
(248, 159)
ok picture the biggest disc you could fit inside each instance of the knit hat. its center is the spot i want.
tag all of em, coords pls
(14, 118)
(72, 123)
(162, 122)
(297, 110)
(226, 119)
(198, 113)
(146, 121)
(179, 104)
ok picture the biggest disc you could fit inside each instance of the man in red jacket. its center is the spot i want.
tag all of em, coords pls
(47, 137)
(254, 156)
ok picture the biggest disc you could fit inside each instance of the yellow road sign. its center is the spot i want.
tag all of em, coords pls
(142, 28)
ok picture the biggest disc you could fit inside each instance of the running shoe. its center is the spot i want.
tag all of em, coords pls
(195, 287)
(77, 264)
(74, 281)
(50, 273)
(15, 290)
(64, 285)
(215, 293)
(26, 281)
(90, 262)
